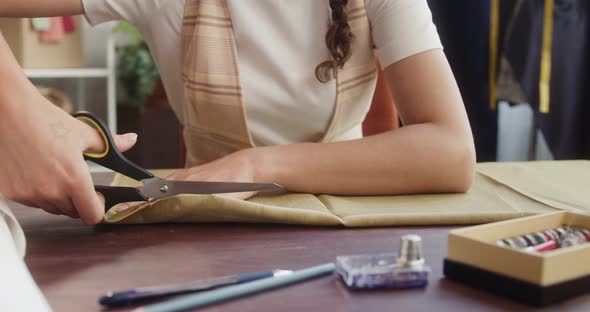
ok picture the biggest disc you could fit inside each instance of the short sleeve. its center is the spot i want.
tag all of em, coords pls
(136, 12)
(401, 28)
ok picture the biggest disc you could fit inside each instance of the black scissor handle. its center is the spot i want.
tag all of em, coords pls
(114, 195)
(111, 157)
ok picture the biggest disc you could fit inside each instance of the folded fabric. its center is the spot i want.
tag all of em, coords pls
(500, 191)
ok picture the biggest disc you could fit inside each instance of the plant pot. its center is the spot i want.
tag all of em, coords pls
(158, 99)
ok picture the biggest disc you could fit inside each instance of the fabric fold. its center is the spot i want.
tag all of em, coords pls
(500, 191)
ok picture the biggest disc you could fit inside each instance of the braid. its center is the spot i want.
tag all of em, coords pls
(338, 41)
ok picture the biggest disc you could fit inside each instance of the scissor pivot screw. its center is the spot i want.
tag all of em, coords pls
(164, 189)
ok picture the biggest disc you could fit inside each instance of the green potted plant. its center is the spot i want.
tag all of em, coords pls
(147, 112)
(136, 68)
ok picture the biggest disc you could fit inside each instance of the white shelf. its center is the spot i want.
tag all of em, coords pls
(68, 73)
(81, 74)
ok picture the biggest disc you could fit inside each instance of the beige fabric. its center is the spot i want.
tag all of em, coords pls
(215, 112)
(501, 191)
(216, 124)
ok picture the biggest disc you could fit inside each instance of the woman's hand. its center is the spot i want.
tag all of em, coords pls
(41, 161)
(236, 167)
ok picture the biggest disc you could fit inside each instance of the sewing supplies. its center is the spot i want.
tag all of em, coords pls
(546, 246)
(194, 301)
(405, 269)
(386, 270)
(560, 237)
(574, 237)
(138, 295)
(539, 260)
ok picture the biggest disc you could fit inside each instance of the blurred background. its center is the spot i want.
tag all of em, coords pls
(522, 67)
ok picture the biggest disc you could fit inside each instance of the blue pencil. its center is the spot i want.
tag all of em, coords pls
(190, 302)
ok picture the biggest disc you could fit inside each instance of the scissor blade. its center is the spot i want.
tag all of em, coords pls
(157, 187)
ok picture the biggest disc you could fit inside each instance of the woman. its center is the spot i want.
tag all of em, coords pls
(266, 91)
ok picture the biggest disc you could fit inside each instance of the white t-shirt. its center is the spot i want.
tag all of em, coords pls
(279, 45)
(18, 291)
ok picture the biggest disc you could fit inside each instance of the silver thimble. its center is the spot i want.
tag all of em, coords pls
(410, 251)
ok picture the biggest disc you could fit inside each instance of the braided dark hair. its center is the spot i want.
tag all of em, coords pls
(338, 40)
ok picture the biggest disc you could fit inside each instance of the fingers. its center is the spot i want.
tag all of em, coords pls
(75, 213)
(178, 175)
(67, 207)
(125, 206)
(90, 207)
(50, 209)
(49, 198)
(25, 202)
(193, 174)
(52, 199)
(93, 141)
(59, 207)
(124, 142)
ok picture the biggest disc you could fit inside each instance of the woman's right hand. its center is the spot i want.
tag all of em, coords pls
(41, 161)
(41, 156)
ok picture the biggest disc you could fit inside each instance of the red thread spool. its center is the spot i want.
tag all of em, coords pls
(546, 246)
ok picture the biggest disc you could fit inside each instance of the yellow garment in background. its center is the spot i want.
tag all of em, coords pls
(501, 191)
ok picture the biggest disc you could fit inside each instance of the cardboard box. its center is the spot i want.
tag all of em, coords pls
(31, 53)
(534, 278)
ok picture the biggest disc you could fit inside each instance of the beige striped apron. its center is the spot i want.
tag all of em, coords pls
(215, 123)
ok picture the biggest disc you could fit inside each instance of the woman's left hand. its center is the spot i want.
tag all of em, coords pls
(236, 167)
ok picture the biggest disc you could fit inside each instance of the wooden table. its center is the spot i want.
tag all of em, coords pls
(74, 264)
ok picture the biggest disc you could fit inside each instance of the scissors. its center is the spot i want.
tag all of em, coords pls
(153, 187)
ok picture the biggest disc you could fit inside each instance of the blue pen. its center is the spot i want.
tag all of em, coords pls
(195, 301)
(138, 295)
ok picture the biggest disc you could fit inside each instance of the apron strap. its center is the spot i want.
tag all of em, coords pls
(215, 105)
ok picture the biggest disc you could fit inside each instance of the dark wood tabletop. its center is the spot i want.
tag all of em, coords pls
(74, 264)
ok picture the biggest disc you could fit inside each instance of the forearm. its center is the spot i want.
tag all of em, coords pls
(420, 158)
(34, 8)
(433, 152)
(12, 79)
(13, 83)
